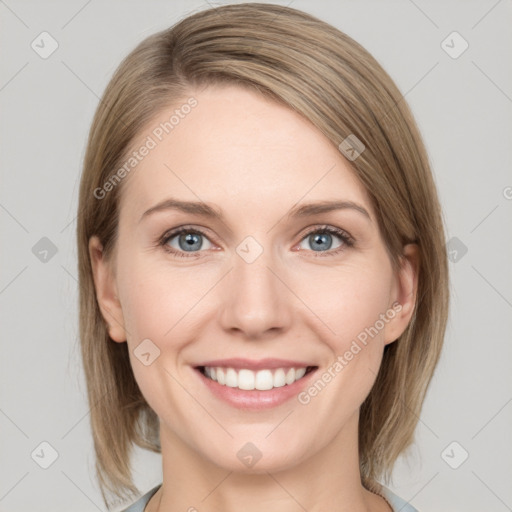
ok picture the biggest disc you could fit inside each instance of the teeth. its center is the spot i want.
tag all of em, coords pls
(248, 380)
(264, 380)
(300, 373)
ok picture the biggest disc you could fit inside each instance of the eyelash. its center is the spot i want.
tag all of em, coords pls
(347, 240)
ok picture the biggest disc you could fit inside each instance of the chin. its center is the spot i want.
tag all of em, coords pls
(252, 458)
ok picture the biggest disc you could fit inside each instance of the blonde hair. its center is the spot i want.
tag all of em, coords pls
(327, 77)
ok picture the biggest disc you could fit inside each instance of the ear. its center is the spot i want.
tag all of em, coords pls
(106, 291)
(403, 298)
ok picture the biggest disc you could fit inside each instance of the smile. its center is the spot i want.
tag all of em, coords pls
(254, 385)
(248, 380)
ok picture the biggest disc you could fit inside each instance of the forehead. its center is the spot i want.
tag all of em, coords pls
(236, 149)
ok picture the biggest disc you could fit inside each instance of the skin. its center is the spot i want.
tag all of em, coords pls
(254, 160)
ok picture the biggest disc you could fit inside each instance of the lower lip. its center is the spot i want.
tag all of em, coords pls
(256, 399)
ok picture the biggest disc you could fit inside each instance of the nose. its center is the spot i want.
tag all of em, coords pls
(255, 301)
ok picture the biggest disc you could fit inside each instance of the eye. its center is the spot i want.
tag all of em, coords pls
(184, 240)
(320, 239)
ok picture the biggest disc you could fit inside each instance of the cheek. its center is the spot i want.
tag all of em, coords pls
(351, 303)
(347, 301)
(155, 308)
(154, 299)
(160, 304)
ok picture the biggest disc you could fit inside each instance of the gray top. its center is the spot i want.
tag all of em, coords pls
(139, 505)
(398, 504)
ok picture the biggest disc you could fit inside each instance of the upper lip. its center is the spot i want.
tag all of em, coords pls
(250, 364)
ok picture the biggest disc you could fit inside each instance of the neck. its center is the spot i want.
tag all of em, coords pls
(328, 480)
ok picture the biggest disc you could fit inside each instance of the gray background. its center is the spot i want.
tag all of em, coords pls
(463, 107)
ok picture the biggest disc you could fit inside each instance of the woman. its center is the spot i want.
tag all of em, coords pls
(215, 328)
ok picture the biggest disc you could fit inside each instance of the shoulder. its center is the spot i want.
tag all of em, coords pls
(141, 503)
(396, 502)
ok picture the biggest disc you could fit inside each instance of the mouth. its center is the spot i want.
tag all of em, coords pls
(264, 379)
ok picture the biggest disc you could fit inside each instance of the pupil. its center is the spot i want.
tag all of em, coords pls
(319, 239)
(191, 240)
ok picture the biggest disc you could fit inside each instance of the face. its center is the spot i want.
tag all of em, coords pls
(262, 286)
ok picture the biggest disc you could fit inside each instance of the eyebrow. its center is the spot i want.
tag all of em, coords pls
(205, 210)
